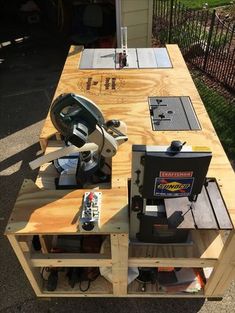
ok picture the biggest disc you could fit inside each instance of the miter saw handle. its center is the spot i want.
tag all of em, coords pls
(118, 125)
(81, 123)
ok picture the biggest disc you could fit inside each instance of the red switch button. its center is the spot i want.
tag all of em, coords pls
(91, 196)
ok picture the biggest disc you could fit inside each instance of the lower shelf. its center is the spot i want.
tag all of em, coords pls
(171, 281)
(102, 287)
(153, 290)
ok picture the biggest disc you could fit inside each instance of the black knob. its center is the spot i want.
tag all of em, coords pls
(176, 145)
(88, 226)
(113, 123)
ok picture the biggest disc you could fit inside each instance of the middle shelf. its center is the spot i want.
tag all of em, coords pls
(202, 249)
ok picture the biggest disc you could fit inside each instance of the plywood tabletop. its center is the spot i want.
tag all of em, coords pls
(39, 211)
(128, 101)
(49, 211)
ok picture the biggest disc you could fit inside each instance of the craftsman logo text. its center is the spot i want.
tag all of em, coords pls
(176, 174)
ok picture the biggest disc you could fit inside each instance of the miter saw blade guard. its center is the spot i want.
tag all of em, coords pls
(75, 117)
(80, 121)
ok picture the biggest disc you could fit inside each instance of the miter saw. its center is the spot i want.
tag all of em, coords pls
(90, 142)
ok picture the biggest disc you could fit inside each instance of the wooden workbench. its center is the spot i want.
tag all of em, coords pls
(42, 210)
(129, 102)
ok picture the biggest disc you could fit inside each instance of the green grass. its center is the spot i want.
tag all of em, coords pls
(222, 114)
(198, 4)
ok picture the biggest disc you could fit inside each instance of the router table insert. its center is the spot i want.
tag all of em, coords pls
(172, 113)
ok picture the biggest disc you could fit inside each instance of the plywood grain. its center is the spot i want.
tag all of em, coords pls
(129, 102)
(57, 211)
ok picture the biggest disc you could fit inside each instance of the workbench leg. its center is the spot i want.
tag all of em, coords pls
(119, 251)
(46, 243)
(224, 270)
(32, 273)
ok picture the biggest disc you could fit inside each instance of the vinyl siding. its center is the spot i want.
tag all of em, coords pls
(137, 16)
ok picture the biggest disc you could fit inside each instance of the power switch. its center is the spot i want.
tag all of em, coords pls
(90, 214)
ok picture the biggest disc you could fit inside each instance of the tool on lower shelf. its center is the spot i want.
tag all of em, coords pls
(52, 280)
(147, 275)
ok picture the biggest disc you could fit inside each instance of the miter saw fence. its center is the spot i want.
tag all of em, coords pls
(80, 121)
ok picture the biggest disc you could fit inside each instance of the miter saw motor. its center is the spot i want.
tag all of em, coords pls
(80, 122)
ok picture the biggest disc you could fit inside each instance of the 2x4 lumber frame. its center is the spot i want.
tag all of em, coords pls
(33, 274)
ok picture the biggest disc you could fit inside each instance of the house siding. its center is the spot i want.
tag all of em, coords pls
(137, 16)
